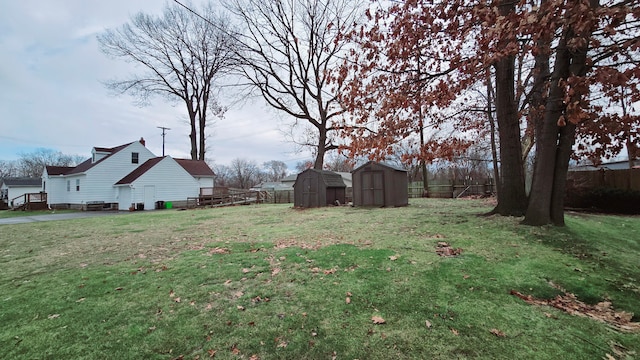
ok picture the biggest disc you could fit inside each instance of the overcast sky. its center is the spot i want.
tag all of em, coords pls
(51, 95)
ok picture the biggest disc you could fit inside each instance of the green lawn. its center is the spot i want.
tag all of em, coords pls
(10, 213)
(272, 282)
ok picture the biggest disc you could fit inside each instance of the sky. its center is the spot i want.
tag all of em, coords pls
(52, 94)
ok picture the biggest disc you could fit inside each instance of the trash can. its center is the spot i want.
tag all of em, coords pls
(159, 205)
(169, 205)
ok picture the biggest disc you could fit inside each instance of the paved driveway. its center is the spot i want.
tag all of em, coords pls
(53, 217)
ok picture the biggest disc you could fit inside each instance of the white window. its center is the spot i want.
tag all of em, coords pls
(77, 184)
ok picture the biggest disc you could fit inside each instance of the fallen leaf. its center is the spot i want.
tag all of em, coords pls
(208, 307)
(219, 250)
(118, 288)
(235, 350)
(192, 302)
(428, 323)
(227, 282)
(171, 293)
(609, 357)
(454, 331)
(275, 271)
(53, 316)
(377, 320)
(212, 353)
(394, 257)
(498, 333)
(329, 271)
(254, 357)
(177, 299)
(282, 344)
(240, 307)
(80, 300)
(348, 300)
(245, 270)
(349, 293)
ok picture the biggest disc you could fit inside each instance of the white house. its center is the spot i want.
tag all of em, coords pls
(125, 176)
(12, 189)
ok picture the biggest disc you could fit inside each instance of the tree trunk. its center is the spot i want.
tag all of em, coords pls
(546, 204)
(322, 141)
(539, 209)
(513, 199)
(492, 125)
(203, 125)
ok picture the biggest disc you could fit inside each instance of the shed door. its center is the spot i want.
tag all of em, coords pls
(372, 188)
(310, 191)
(149, 197)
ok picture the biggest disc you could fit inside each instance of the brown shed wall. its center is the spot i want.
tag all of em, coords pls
(376, 184)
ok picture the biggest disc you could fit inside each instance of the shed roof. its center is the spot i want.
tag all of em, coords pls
(388, 165)
(330, 178)
(22, 181)
(197, 168)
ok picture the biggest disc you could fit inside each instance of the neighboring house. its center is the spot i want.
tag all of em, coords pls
(126, 176)
(614, 165)
(12, 189)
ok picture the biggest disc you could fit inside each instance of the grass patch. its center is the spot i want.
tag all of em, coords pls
(4, 214)
(274, 282)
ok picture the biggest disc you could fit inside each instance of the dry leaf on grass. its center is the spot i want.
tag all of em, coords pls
(444, 249)
(428, 323)
(218, 250)
(212, 353)
(377, 320)
(498, 333)
(455, 332)
(275, 271)
(394, 257)
(348, 300)
(602, 311)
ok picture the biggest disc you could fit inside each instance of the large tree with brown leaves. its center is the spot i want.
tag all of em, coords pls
(419, 55)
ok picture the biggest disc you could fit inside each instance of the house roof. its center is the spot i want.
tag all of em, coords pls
(22, 181)
(58, 170)
(87, 164)
(139, 171)
(197, 168)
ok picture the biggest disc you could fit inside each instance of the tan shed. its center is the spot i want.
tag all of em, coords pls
(378, 184)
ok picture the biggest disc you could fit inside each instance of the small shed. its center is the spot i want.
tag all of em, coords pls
(316, 188)
(378, 184)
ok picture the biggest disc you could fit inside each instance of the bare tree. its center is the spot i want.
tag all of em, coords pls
(8, 168)
(245, 173)
(182, 54)
(33, 164)
(287, 52)
(275, 170)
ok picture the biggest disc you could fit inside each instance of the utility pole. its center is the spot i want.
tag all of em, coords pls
(164, 129)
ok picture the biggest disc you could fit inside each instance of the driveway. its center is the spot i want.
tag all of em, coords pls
(55, 217)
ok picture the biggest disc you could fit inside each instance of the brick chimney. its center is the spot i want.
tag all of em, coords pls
(142, 141)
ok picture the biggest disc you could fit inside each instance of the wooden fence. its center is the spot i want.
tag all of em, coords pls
(451, 189)
(627, 179)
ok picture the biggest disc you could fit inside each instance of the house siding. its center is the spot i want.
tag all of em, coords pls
(15, 191)
(170, 181)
